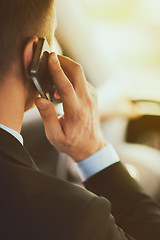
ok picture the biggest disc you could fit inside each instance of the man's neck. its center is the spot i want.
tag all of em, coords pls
(12, 120)
(12, 103)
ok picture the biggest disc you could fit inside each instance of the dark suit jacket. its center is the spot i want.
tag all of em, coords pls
(35, 205)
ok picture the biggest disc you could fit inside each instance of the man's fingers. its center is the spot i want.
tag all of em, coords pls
(62, 83)
(52, 125)
(74, 72)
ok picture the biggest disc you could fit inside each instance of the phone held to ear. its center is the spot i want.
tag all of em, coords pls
(39, 71)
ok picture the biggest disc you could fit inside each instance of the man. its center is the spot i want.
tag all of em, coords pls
(35, 205)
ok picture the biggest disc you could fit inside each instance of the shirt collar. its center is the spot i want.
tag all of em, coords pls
(17, 135)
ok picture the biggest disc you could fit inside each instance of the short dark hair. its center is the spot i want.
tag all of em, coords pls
(20, 20)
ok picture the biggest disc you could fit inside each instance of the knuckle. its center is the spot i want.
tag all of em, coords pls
(46, 112)
(55, 140)
(71, 141)
(49, 137)
(63, 146)
(82, 114)
(89, 101)
(78, 68)
(67, 88)
(57, 69)
(94, 95)
(79, 117)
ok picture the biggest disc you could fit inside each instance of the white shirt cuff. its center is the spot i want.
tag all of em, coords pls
(102, 159)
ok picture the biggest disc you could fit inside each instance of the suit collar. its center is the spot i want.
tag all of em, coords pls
(13, 132)
(14, 151)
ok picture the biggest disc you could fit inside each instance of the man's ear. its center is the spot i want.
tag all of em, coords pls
(28, 54)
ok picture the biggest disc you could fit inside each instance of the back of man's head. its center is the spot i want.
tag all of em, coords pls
(20, 20)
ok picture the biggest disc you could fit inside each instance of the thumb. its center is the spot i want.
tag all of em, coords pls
(48, 114)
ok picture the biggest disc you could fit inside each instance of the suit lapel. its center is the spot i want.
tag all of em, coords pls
(14, 150)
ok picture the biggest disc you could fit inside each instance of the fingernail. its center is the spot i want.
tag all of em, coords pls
(41, 103)
(54, 57)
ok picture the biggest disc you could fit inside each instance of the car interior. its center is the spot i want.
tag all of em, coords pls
(117, 43)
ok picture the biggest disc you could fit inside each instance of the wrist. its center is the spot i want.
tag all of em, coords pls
(87, 152)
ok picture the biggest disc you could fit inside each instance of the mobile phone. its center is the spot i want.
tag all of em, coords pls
(39, 71)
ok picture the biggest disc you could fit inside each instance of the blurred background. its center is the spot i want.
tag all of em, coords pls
(118, 44)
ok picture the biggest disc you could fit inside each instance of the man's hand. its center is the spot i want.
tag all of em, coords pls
(77, 132)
